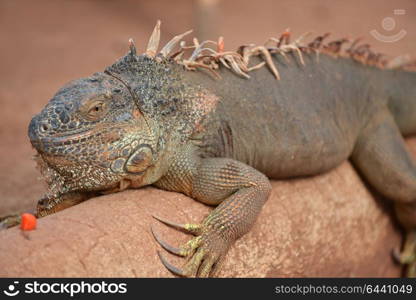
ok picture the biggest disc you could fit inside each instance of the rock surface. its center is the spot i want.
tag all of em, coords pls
(327, 225)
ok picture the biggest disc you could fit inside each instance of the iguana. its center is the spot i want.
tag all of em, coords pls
(216, 124)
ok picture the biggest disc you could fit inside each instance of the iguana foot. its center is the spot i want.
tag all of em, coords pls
(408, 255)
(9, 221)
(203, 253)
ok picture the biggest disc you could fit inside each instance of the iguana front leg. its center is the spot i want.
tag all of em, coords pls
(240, 192)
(47, 206)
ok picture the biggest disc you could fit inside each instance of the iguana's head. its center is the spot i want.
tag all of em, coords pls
(112, 130)
(92, 136)
(95, 134)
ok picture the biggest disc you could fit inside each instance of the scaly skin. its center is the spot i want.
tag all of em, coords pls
(146, 120)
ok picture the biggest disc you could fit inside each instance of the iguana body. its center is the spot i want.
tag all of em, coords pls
(147, 120)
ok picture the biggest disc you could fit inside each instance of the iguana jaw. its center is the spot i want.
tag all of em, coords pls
(73, 178)
(45, 144)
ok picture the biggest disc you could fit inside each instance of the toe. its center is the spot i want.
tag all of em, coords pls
(408, 255)
(192, 266)
(184, 250)
(195, 229)
(207, 267)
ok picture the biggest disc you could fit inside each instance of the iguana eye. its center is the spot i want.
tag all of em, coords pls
(95, 109)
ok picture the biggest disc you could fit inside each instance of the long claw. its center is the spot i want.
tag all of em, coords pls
(201, 252)
(188, 228)
(165, 245)
(169, 266)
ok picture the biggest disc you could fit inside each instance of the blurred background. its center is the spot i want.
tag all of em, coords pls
(44, 44)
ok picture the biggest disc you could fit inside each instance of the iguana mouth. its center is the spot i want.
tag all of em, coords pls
(48, 144)
(79, 137)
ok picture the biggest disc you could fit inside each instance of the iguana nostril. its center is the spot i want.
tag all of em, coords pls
(44, 127)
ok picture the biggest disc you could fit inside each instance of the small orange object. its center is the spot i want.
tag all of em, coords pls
(28, 222)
